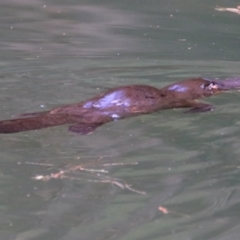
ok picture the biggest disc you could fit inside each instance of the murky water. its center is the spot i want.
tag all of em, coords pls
(58, 52)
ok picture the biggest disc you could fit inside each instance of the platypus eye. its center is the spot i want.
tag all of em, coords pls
(210, 86)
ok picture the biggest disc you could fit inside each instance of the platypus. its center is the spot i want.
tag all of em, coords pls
(122, 102)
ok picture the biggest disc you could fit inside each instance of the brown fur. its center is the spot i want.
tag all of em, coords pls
(119, 103)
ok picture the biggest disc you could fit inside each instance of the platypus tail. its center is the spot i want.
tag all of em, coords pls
(32, 121)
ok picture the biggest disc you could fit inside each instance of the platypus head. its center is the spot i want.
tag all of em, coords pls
(196, 88)
(212, 87)
(230, 83)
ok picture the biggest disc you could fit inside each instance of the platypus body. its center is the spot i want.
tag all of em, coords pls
(122, 102)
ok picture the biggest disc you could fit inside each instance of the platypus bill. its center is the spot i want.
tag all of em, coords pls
(122, 102)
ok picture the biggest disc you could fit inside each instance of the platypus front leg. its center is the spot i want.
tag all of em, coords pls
(199, 107)
(84, 128)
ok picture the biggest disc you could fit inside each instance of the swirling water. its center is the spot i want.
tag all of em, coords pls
(58, 52)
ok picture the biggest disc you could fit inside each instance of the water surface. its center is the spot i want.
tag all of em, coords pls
(56, 52)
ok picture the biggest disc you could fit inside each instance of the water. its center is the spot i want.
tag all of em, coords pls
(56, 52)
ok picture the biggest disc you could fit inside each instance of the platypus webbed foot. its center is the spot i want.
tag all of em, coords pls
(202, 107)
(84, 129)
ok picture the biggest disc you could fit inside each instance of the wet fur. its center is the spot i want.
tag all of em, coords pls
(119, 103)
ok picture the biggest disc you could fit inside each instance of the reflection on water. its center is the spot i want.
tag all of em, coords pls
(86, 30)
(56, 53)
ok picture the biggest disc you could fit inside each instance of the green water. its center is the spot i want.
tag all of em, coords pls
(58, 52)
